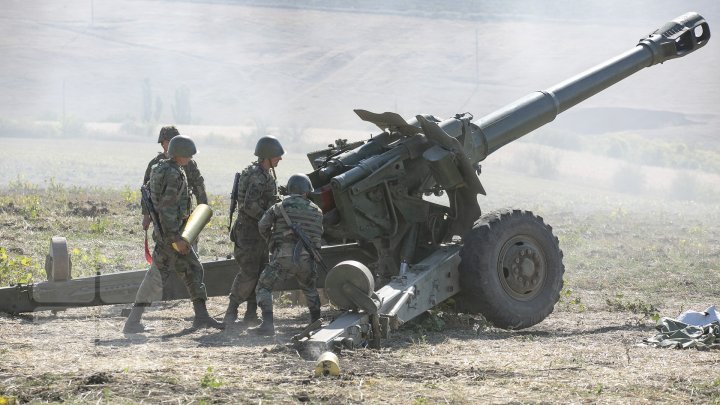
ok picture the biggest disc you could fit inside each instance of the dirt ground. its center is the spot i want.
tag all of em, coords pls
(627, 259)
(595, 355)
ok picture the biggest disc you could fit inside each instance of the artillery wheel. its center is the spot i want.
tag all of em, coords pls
(511, 269)
(348, 272)
(57, 263)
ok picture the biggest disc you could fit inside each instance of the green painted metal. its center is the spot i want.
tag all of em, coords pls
(120, 288)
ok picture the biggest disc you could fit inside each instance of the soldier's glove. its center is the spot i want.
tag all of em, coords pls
(282, 190)
(182, 246)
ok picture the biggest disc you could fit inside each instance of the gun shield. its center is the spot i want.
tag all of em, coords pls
(196, 222)
(443, 167)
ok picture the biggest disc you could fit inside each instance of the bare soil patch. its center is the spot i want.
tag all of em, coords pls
(81, 355)
(87, 209)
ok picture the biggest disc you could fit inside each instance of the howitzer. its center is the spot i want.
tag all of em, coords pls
(506, 265)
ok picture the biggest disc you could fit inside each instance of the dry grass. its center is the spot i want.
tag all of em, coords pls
(623, 255)
(594, 356)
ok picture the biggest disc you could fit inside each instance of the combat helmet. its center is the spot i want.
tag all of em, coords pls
(299, 184)
(268, 147)
(181, 146)
(167, 133)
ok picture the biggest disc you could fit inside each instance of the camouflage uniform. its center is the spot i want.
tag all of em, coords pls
(257, 191)
(195, 180)
(282, 241)
(168, 186)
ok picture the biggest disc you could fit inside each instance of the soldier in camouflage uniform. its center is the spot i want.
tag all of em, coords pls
(289, 258)
(171, 199)
(196, 183)
(257, 191)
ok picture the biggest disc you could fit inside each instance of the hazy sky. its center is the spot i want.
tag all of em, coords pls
(292, 67)
(311, 67)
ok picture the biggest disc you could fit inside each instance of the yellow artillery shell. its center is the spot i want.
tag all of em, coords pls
(196, 222)
(327, 365)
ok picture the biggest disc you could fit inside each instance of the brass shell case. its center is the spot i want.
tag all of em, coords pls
(196, 222)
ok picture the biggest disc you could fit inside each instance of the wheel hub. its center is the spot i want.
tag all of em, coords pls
(348, 272)
(521, 267)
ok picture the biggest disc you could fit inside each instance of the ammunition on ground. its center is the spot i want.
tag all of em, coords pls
(327, 365)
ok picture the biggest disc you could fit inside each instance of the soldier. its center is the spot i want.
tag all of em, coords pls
(289, 258)
(256, 192)
(171, 199)
(195, 180)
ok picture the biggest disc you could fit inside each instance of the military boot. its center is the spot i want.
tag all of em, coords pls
(267, 327)
(202, 318)
(231, 313)
(132, 324)
(251, 318)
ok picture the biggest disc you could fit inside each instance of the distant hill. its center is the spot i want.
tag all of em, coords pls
(294, 64)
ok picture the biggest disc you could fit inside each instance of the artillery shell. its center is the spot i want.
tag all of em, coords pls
(327, 365)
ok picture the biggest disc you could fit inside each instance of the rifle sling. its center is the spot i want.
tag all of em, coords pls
(285, 215)
(291, 225)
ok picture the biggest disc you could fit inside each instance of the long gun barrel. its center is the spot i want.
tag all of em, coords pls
(675, 39)
(486, 135)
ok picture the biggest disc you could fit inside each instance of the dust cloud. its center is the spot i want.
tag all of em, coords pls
(77, 75)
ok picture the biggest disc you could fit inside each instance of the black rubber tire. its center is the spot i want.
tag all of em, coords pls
(511, 269)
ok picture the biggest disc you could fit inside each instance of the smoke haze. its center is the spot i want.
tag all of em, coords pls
(220, 70)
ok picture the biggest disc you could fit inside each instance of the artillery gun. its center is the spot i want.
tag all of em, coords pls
(381, 230)
(508, 265)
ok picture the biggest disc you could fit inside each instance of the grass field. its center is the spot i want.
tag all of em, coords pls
(629, 260)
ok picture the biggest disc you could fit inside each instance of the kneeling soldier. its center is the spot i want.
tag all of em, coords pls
(289, 257)
(171, 201)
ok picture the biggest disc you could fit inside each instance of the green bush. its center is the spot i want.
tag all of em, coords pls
(27, 206)
(620, 304)
(209, 380)
(99, 225)
(16, 270)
